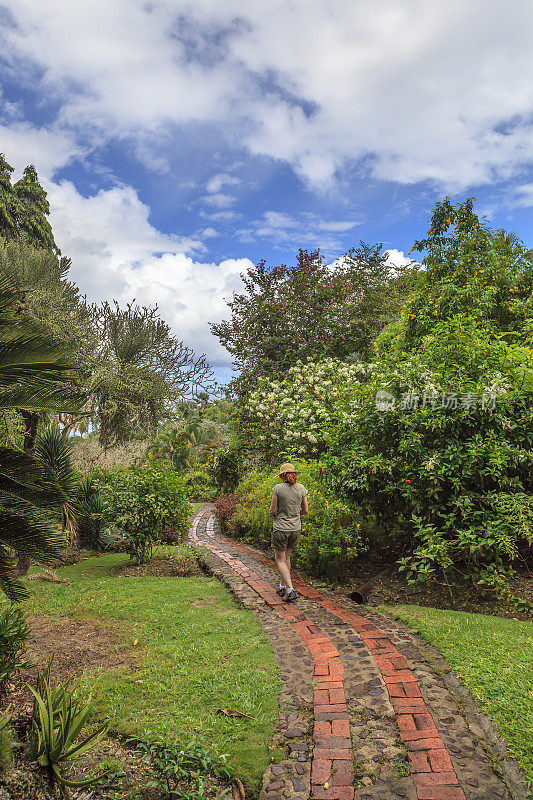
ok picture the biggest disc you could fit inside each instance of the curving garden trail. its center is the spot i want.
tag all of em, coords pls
(360, 691)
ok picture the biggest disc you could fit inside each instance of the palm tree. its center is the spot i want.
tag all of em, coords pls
(35, 375)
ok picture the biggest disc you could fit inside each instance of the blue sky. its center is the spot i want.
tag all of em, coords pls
(179, 142)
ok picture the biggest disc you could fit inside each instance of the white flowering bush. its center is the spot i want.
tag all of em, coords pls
(292, 415)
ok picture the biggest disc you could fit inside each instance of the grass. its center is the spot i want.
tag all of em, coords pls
(494, 658)
(197, 651)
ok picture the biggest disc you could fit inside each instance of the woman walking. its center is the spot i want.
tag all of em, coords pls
(289, 502)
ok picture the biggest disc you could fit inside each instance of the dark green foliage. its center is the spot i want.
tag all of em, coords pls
(181, 773)
(226, 467)
(90, 522)
(142, 502)
(57, 721)
(24, 209)
(447, 471)
(35, 373)
(81, 507)
(14, 636)
(198, 485)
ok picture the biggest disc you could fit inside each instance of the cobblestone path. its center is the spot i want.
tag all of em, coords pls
(367, 710)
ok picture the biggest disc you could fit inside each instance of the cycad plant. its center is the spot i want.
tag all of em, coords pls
(35, 374)
(81, 508)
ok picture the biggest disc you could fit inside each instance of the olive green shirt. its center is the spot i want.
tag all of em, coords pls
(287, 517)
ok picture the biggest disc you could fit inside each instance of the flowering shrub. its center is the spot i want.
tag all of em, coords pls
(332, 535)
(310, 310)
(449, 479)
(291, 415)
(142, 502)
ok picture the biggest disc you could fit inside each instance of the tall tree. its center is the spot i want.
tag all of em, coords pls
(24, 209)
(472, 270)
(32, 211)
(310, 310)
(7, 221)
(141, 373)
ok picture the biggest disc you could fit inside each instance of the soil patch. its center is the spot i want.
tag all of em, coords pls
(161, 566)
(75, 644)
(381, 586)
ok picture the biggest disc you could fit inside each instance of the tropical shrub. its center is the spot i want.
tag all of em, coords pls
(14, 636)
(198, 484)
(444, 460)
(226, 508)
(143, 502)
(332, 533)
(226, 467)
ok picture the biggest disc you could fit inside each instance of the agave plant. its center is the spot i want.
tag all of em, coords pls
(57, 720)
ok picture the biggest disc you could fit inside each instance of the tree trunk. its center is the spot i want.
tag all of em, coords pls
(31, 418)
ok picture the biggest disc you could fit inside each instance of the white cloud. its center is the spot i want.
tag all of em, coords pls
(522, 196)
(50, 149)
(410, 89)
(219, 216)
(306, 230)
(338, 226)
(209, 233)
(219, 200)
(216, 183)
(116, 252)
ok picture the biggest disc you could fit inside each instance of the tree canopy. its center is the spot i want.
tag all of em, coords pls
(298, 313)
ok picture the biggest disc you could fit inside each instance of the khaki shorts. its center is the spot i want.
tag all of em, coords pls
(283, 539)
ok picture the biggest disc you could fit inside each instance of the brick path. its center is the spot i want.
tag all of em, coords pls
(363, 714)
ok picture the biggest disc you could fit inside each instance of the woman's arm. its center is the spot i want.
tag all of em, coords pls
(273, 505)
(305, 507)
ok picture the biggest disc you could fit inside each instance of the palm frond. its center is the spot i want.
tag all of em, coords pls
(24, 478)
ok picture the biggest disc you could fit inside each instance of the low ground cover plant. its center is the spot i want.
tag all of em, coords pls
(14, 636)
(182, 773)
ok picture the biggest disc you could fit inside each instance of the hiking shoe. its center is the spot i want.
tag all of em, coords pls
(281, 591)
(289, 596)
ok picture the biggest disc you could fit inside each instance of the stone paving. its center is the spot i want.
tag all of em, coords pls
(367, 711)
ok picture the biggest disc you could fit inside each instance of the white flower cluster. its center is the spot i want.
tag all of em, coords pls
(296, 410)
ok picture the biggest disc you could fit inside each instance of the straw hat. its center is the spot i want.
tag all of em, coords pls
(287, 468)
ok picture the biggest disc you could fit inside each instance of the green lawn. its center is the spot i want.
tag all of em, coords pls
(197, 651)
(494, 658)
